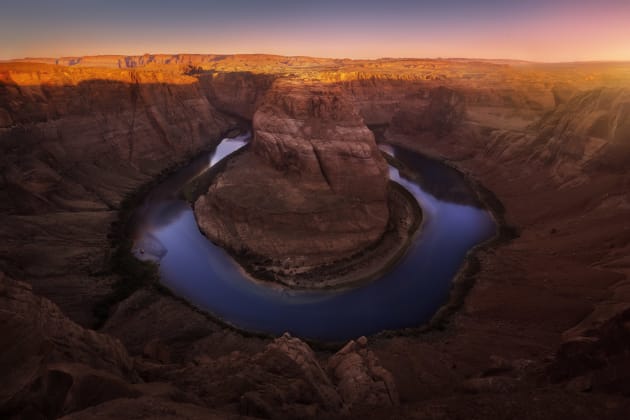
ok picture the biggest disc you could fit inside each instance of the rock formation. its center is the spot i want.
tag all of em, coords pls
(589, 133)
(49, 364)
(52, 366)
(287, 380)
(311, 190)
(542, 333)
(359, 376)
(74, 143)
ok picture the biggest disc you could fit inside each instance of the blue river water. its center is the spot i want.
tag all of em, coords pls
(407, 296)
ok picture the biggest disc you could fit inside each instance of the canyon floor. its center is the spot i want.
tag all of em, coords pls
(543, 331)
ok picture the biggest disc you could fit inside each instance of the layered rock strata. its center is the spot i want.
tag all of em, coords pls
(74, 142)
(311, 190)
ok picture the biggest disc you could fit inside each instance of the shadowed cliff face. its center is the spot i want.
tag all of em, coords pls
(237, 93)
(89, 120)
(311, 189)
(445, 111)
(50, 365)
(592, 130)
(73, 144)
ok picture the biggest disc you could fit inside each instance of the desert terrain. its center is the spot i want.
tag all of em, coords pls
(542, 332)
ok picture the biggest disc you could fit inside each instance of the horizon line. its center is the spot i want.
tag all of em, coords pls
(14, 59)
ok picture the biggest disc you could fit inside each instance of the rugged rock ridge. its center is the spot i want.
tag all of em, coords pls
(73, 143)
(287, 380)
(49, 364)
(560, 185)
(312, 189)
(53, 367)
(592, 130)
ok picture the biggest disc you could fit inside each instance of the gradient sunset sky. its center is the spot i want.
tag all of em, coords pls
(539, 30)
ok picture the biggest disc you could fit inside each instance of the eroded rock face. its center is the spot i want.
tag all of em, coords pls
(589, 133)
(597, 358)
(306, 392)
(287, 380)
(314, 133)
(360, 378)
(444, 111)
(49, 364)
(73, 143)
(312, 188)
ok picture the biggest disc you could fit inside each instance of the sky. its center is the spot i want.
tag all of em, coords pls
(536, 30)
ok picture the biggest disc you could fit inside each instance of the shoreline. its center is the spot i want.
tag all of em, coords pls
(465, 278)
(366, 265)
(462, 282)
(371, 263)
(136, 274)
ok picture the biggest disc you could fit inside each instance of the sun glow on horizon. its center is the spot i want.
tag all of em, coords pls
(577, 30)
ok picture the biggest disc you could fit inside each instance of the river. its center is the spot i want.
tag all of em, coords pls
(195, 269)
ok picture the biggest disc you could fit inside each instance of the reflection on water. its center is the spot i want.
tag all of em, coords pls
(228, 146)
(163, 204)
(408, 295)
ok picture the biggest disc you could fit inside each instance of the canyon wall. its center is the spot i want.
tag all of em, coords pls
(560, 287)
(542, 333)
(592, 129)
(73, 144)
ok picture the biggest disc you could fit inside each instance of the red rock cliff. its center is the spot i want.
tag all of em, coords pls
(313, 187)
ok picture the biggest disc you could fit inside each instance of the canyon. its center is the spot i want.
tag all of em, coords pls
(542, 332)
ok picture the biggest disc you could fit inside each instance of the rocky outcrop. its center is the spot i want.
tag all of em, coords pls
(182, 335)
(286, 380)
(357, 378)
(306, 392)
(313, 133)
(49, 364)
(312, 189)
(360, 378)
(591, 132)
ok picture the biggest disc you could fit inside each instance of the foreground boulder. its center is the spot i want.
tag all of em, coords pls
(286, 380)
(305, 391)
(49, 364)
(360, 378)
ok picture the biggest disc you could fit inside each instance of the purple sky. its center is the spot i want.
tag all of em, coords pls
(541, 30)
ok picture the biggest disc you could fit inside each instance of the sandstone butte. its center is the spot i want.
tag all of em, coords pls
(312, 190)
(543, 332)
